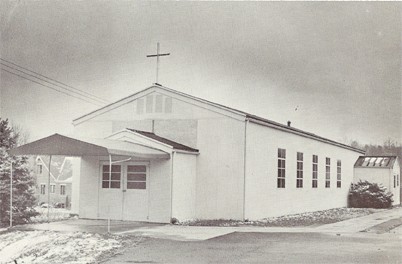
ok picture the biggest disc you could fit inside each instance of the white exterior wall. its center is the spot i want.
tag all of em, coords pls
(184, 182)
(75, 192)
(158, 189)
(264, 199)
(383, 176)
(220, 168)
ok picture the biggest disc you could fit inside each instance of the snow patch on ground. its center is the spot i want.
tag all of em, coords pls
(55, 247)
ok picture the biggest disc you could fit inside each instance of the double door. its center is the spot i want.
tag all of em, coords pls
(123, 193)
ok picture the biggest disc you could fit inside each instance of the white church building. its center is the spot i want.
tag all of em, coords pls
(177, 156)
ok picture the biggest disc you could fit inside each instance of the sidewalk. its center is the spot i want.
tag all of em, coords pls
(195, 233)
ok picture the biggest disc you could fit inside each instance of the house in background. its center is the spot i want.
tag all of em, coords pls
(61, 174)
(384, 170)
(161, 154)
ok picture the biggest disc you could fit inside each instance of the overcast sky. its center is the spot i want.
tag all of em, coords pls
(332, 68)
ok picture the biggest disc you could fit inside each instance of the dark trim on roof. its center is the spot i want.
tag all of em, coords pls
(239, 112)
(166, 141)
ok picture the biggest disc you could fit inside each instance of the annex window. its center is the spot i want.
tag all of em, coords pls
(111, 181)
(315, 171)
(394, 180)
(62, 190)
(281, 168)
(52, 188)
(40, 169)
(397, 180)
(299, 171)
(338, 174)
(327, 172)
(43, 189)
(136, 177)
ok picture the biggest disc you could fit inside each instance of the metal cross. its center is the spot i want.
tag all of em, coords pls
(157, 55)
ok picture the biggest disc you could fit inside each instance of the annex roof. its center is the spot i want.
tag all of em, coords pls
(219, 108)
(166, 141)
(68, 146)
(375, 162)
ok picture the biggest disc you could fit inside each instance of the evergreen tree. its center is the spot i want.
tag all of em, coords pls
(23, 182)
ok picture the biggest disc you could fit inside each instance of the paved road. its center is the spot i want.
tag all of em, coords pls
(269, 248)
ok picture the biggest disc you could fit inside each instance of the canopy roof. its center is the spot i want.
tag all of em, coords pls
(73, 147)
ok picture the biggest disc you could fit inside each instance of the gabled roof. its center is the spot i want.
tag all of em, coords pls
(218, 108)
(166, 141)
(375, 162)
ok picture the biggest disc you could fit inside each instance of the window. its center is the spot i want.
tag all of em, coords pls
(281, 168)
(62, 190)
(111, 181)
(338, 174)
(299, 171)
(394, 180)
(397, 180)
(136, 177)
(140, 106)
(52, 188)
(149, 104)
(315, 171)
(40, 169)
(43, 189)
(168, 104)
(158, 103)
(327, 172)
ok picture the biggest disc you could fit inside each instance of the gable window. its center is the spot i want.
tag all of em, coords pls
(315, 171)
(327, 172)
(111, 181)
(149, 104)
(158, 103)
(299, 172)
(338, 174)
(140, 106)
(62, 190)
(52, 188)
(394, 180)
(43, 189)
(136, 177)
(40, 169)
(281, 168)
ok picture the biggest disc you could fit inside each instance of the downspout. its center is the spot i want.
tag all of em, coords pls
(244, 167)
(171, 188)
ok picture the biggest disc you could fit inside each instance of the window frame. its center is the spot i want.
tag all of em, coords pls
(127, 181)
(299, 170)
(314, 169)
(109, 180)
(42, 187)
(281, 165)
(62, 189)
(52, 188)
(339, 174)
(327, 172)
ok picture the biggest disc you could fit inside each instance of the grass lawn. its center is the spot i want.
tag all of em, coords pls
(303, 219)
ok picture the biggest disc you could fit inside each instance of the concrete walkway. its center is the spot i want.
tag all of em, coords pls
(378, 222)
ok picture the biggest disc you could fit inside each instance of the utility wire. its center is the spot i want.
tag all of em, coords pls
(80, 98)
(99, 99)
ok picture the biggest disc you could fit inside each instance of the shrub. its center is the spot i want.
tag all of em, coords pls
(369, 195)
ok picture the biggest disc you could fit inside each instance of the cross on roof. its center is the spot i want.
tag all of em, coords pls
(157, 55)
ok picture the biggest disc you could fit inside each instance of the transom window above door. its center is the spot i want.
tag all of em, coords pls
(111, 181)
(136, 177)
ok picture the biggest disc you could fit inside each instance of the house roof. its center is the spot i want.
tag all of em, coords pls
(246, 116)
(166, 141)
(375, 162)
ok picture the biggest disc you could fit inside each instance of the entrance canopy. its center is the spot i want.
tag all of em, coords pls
(68, 146)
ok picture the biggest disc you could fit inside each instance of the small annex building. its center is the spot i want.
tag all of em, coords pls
(161, 154)
(383, 170)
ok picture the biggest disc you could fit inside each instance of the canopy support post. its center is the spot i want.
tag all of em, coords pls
(48, 190)
(110, 178)
(11, 194)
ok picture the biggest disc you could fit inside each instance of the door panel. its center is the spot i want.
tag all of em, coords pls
(135, 204)
(110, 192)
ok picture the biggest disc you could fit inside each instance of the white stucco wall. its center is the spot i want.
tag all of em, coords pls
(220, 168)
(184, 182)
(75, 191)
(264, 199)
(89, 177)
